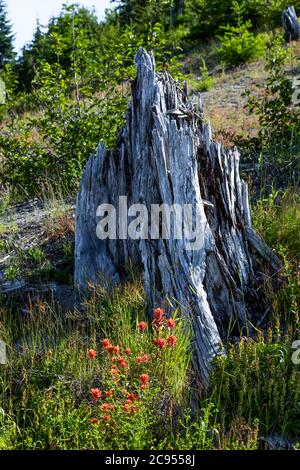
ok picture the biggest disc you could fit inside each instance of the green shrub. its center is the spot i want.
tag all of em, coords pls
(78, 97)
(239, 44)
(206, 82)
(279, 118)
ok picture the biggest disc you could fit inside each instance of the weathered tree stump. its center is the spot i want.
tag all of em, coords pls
(291, 24)
(165, 154)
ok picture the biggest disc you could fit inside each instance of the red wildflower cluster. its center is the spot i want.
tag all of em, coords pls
(142, 326)
(92, 353)
(144, 358)
(108, 407)
(132, 396)
(172, 341)
(127, 408)
(130, 403)
(158, 323)
(94, 421)
(106, 417)
(160, 342)
(110, 348)
(96, 394)
(105, 343)
(170, 322)
(122, 362)
(158, 318)
(144, 378)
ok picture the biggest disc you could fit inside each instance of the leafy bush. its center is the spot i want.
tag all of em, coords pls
(77, 98)
(207, 81)
(279, 118)
(239, 44)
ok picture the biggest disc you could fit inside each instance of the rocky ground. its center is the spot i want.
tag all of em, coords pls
(36, 252)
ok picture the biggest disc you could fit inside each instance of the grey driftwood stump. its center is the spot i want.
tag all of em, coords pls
(291, 24)
(165, 154)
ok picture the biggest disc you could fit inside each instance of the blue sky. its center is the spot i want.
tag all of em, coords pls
(24, 13)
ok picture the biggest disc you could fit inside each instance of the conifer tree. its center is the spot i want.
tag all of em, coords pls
(7, 53)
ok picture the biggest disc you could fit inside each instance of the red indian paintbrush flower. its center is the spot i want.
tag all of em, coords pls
(172, 341)
(142, 326)
(110, 348)
(144, 358)
(158, 318)
(109, 394)
(170, 323)
(144, 378)
(160, 343)
(94, 421)
(105, 342)
(128, 352)
(117, 350)
(125, 408)
(108, 407)
(92, 353)
(129, 409)
(158, 314)
(96, 394)
(106, 417)
(132, 396)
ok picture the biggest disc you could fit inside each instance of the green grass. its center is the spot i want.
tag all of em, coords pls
(277, 219)
(44, 392)
(258, 383)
